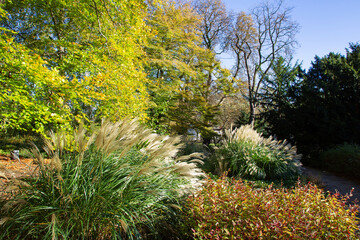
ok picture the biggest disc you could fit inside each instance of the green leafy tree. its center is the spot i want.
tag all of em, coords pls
(277, 97)
(95, 46)
(179, 68)
(326, 108)
(31, 94)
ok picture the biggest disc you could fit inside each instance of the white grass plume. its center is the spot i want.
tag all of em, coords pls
(247, 133)
(120, 137)
(244, 133)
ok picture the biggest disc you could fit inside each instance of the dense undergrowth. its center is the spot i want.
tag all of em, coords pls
(124, 182)
(232, 209)
(344, 159)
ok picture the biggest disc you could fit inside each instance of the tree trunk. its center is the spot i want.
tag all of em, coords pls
(252, 113)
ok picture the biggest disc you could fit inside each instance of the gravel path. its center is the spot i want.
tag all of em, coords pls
(333, 182)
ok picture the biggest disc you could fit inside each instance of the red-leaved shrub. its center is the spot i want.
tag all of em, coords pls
(226, 209)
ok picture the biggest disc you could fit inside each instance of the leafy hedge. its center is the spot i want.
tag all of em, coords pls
(227, 209)
(343, 159)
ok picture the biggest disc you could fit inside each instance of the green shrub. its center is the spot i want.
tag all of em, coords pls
(191, 147)
(248, 155)
(122, 182)
(226, 209)
(344, 159)
(9, 143)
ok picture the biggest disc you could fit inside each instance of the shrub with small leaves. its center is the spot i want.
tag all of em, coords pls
(226, 209)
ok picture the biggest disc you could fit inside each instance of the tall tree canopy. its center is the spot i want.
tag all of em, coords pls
(317, 109)
(186, 76)
(95, 49)
(214, 23)
(31, 94)
(327, 108)
(277, 97)
(257, 40)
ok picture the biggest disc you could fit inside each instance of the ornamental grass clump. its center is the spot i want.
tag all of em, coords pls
(226, 209)
(121, 182)
(246, 154)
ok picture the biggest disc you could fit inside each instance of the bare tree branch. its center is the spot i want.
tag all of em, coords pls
(257, 40)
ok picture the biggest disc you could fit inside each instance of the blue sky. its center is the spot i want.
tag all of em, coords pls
(325, 25)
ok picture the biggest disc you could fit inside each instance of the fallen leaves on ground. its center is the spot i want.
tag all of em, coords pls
(10, 169)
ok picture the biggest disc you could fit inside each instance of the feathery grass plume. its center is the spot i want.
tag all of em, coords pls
(244, 133)
(249, 155)
(121, 182)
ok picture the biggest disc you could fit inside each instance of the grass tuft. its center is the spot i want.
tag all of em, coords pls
(249, 155)
(121, 182)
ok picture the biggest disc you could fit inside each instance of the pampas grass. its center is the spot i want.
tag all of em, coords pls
(249, 155)
(121, 182)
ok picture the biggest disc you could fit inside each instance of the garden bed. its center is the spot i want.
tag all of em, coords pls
(10, 169)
